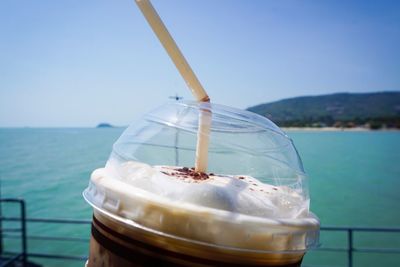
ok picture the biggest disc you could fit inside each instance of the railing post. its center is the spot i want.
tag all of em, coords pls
(350, 247)
(23, 226)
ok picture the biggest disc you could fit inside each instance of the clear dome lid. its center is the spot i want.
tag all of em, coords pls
(240, 143)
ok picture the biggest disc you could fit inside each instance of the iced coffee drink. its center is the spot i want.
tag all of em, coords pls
(151, 208)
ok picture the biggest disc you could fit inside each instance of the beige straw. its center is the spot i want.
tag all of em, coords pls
(203, 137)
(188, 75)
(172, 49)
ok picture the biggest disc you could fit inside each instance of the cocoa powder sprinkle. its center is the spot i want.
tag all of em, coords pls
(186, 172)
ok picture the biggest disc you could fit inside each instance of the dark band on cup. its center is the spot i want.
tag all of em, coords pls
(149, 255)
(138, 256)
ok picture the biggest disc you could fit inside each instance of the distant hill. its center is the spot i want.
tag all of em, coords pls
(373, 110)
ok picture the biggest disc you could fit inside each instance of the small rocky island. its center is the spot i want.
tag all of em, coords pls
(104, 125)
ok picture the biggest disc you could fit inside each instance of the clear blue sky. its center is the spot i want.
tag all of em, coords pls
(78, 63)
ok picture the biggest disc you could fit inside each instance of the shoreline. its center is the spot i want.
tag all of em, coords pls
(334, 129)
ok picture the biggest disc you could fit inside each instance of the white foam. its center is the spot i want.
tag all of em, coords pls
(235, 193)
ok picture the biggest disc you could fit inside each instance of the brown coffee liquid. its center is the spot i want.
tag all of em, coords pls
(109, 248)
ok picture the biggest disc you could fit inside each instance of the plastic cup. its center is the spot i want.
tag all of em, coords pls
(252, 209)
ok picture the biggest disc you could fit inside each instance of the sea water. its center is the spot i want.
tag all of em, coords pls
(354, 181)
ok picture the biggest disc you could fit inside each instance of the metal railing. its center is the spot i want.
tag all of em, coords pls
(51, 238)
(8, 258)
(350, 249)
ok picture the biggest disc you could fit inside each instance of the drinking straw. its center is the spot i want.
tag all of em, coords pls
(188, 75)
(172, 49)
(203, 138)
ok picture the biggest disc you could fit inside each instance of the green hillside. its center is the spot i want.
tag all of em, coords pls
(373, 110)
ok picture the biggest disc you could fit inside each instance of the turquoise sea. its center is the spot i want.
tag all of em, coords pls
(354, 181)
